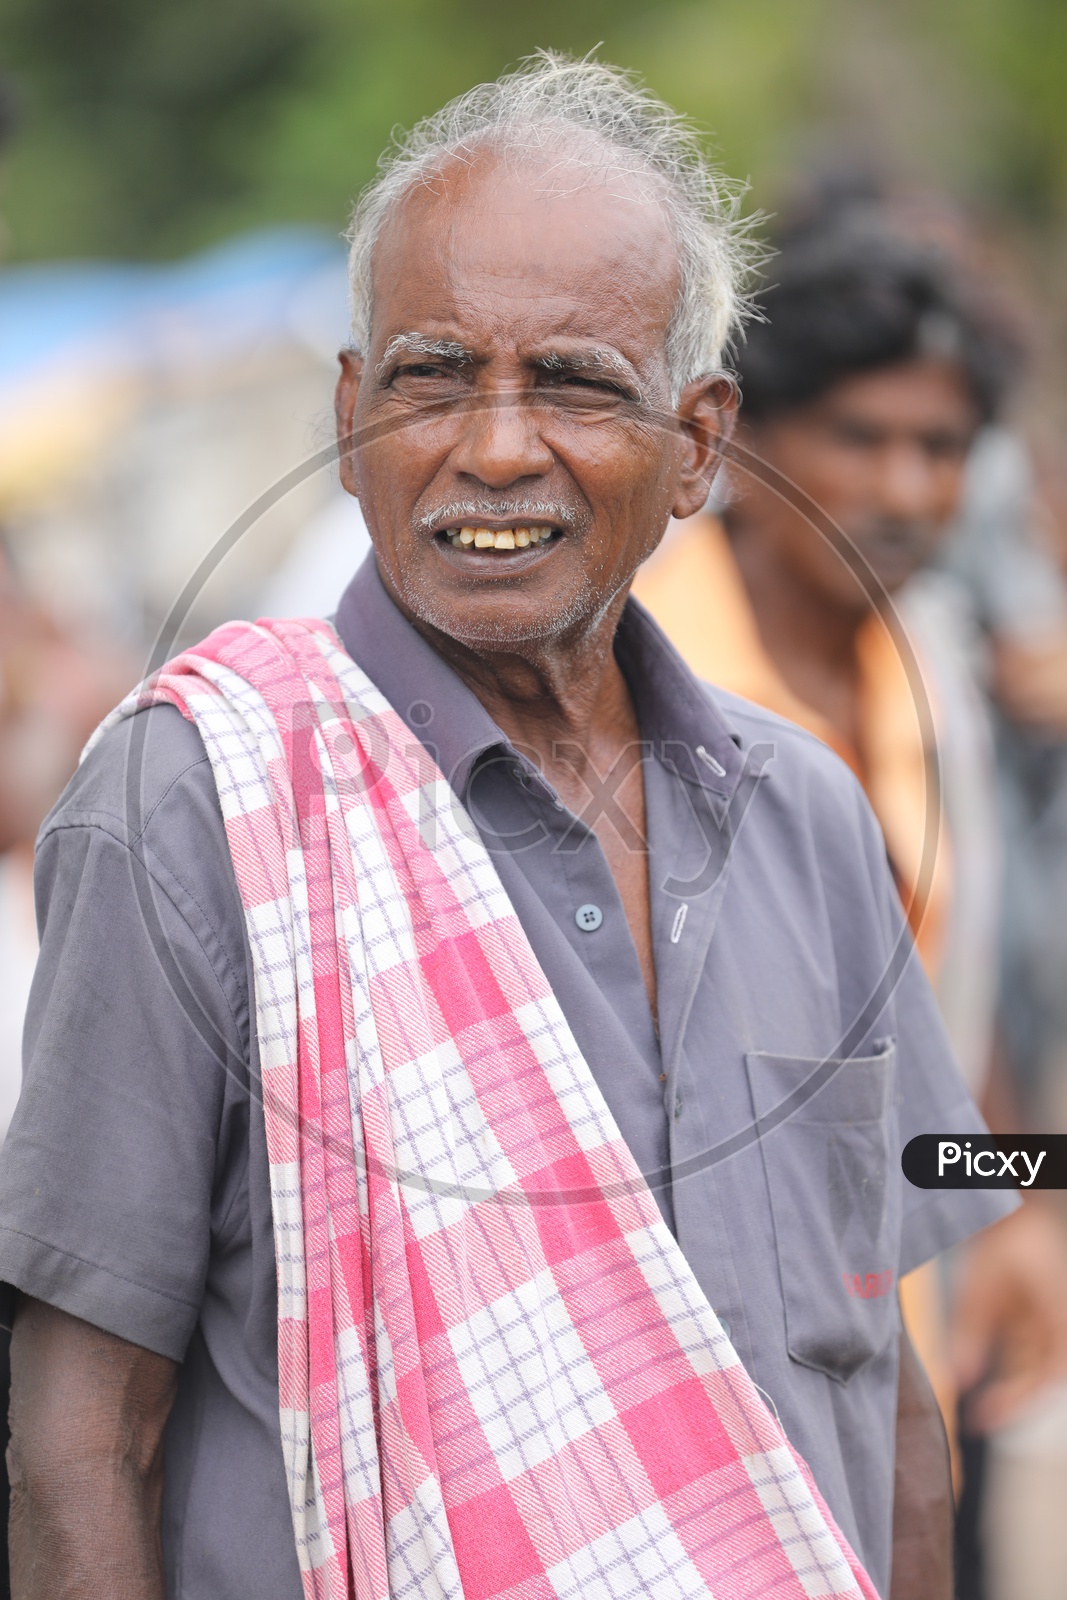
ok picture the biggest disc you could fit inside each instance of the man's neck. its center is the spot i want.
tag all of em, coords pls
(811, 639)
(563, 702)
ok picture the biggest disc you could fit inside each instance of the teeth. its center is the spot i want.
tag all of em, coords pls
(490, 539)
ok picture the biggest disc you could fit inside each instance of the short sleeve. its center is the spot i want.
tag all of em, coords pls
(135, 1051)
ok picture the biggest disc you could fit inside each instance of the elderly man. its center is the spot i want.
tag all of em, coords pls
(384, 987)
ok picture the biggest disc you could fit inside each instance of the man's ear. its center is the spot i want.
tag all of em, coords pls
(707, 412)
(344, 406)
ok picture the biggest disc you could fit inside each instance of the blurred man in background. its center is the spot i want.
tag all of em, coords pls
(863, 393)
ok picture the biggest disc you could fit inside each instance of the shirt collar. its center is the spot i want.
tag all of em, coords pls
(677, 715)
(418, 683)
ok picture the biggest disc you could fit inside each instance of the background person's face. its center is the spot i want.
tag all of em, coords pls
(542, 403)
(883, 454)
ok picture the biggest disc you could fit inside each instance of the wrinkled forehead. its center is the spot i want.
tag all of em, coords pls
(527, 231)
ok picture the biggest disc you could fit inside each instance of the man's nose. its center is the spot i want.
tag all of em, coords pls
(501, 442)
(907, 483)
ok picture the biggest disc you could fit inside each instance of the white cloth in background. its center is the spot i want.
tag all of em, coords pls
(937, 617)
(998, 548)
(316, 571)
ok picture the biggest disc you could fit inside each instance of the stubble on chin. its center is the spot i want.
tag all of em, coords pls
(496, 624)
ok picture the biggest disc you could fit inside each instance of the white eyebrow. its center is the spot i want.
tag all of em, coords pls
(584, 358)
(418, 344)
(601, 359)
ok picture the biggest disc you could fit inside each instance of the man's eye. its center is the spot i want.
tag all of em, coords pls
(420, 380)
(582, 381)
(856, 437)
(945, 447)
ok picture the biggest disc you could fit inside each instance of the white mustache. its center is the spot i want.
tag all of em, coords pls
(472, 512)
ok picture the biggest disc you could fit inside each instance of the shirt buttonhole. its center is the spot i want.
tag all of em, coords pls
(710, 761)
(679, 921)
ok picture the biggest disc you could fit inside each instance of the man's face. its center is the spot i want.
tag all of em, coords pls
(883, 454)
(517, 384)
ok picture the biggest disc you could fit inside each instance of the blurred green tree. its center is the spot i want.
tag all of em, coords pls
(154, 128)
(131, 113)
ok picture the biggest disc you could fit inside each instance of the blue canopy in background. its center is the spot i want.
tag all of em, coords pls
(279, 284)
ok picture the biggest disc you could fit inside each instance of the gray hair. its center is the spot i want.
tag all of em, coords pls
(539, 108)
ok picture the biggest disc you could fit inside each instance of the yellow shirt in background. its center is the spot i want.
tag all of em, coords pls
(694, 589)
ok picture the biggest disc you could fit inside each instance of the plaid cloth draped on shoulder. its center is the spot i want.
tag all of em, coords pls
(498, 1375)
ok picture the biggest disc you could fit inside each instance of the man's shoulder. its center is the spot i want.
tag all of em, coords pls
(134, 776)
(809, 813)
(797, 753)
(147, 790)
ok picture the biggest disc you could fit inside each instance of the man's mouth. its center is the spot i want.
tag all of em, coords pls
(896, 552)
(522, 536)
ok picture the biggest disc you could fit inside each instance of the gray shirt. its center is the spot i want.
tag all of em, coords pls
(134, 1183)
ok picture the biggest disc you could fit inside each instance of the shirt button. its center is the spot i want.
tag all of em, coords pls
(589, 918)
(677, 1107)
(725, 1326)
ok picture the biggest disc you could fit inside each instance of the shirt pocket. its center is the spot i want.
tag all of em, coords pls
(830, 1171)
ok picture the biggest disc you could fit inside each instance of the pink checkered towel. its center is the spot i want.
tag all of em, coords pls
(498, 1375)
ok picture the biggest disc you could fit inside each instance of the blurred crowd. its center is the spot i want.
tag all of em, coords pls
(883, 559)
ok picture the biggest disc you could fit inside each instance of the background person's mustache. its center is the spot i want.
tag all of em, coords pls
(909, 533)
(891, 537)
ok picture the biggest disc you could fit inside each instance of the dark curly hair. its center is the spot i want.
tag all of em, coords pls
(852, 293)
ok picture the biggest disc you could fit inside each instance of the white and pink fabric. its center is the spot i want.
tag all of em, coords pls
(498, 1375)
